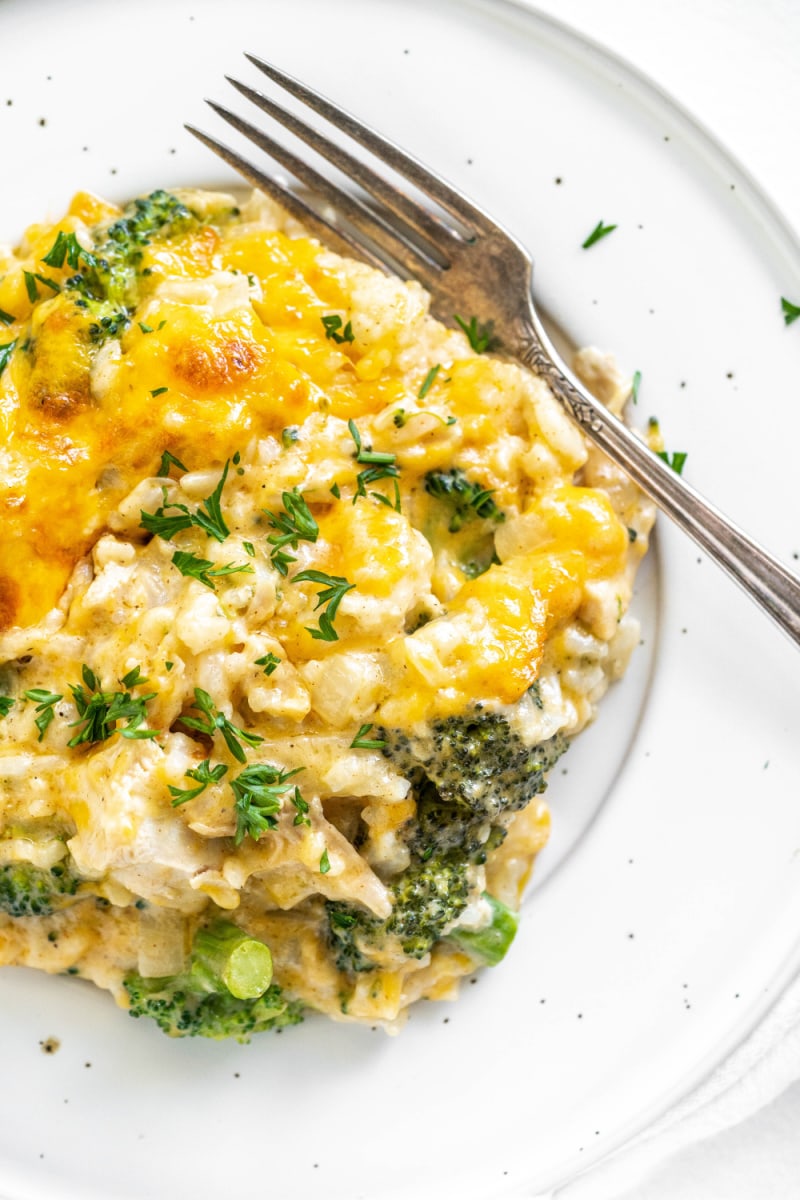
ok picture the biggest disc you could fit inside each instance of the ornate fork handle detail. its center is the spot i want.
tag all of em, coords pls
(470, 263)
(750, 565)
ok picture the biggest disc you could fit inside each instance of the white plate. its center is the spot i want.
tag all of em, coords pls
(664, 918)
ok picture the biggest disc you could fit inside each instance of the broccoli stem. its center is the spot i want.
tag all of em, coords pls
(489, 946)
(224, 954)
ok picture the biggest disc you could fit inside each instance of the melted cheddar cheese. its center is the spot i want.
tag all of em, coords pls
(171, 396)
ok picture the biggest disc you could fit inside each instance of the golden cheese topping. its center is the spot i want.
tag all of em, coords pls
(277, 544)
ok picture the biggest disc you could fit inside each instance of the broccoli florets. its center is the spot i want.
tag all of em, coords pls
(466, 500)
(107, 283)
(29, 891)
(224, 991)
(466, 775)
(427, 898)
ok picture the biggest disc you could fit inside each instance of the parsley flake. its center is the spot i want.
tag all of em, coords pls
(45, 707)
(790, 311)
(258, 792)
(6, 705)
(31, 279)
(480, 335)
(270, 662)
(213, 720)
(204, 774)
(324, 862)
(674, 460)
(133, 677)
(99, 712)
(362, 742)
(383, 466)
(334, 588)
(635, 385)
(159, 391)
(5, 355)
(427, 383)
(6, 318)
(600, 231)
(67, 246)
(208, 517)
(169, 460)
(333, 326)
(367, 454)
(296, 523)
(204, 571)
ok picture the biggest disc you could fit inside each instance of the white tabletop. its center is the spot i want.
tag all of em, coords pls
(735, 64)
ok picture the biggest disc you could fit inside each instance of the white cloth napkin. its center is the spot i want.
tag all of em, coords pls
(762, 1067)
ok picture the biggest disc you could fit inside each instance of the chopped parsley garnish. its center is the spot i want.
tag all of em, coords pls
(249, 549)
(290, 435)
(259, 790)
(67, 246)
(335, 492)
(99, 712)
(6, 705)
(45, 706)
(169, 460)
(385, 472)
(159, 391)
(208, 517)
(373, 475)
(382, 467)
(334, 588)
(145, 328)
(674, 460)
(31, 278)
(301, 817)
(293, 525)
(270, 662)
(400, 417)
(334, 330)
(468, 500)
(324, 862)
(635, 385)
(5, 355)
(600, 231)
(362, 742)
(6, 318)
(203, 570)
(790, 311)
(133, 677)
(367, 454)
(480, 335)
(427, 383)
(204, 774)
(213, 720)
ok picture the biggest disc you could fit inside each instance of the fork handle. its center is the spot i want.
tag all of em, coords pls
(767, 581)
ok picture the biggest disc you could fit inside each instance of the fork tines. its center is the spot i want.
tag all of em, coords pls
(391, 229)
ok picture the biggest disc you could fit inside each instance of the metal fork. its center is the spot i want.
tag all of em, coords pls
(471, 264)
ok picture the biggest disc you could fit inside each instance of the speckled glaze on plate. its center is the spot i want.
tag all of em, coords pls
(663, 919)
